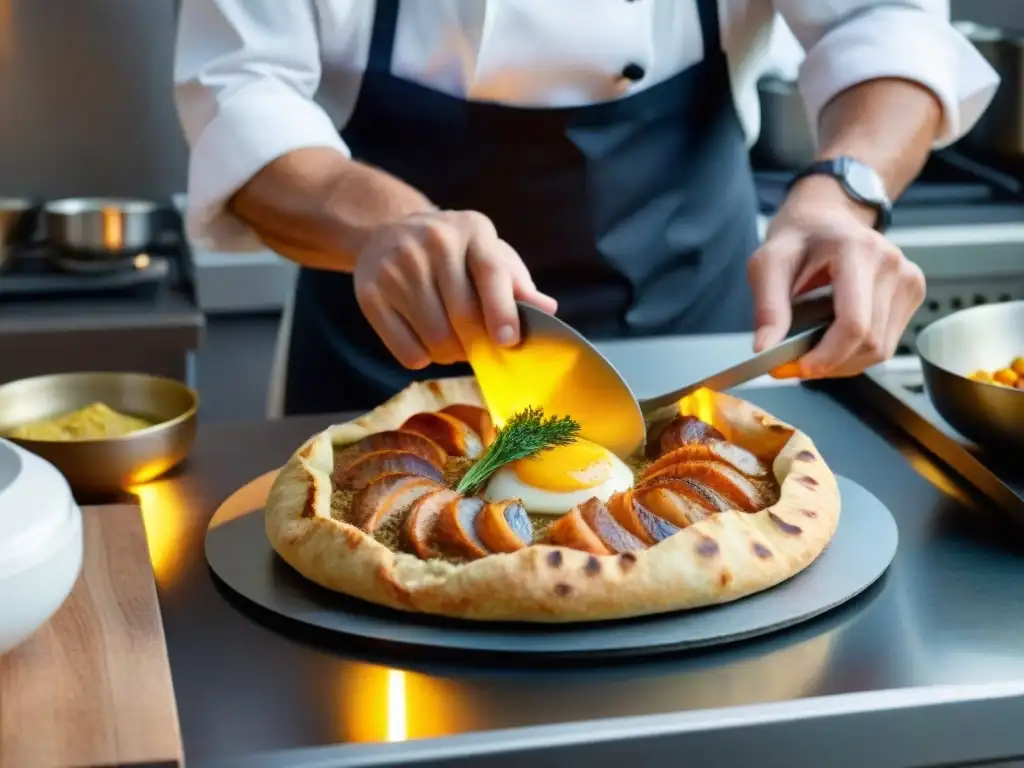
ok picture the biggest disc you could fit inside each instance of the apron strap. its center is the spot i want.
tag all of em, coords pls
(382, 40)
(707, 12)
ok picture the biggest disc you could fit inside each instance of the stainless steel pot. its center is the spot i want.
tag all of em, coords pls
(987, 338)
(15, 226)
(786, 141)
(1000, 131)
(101, 231)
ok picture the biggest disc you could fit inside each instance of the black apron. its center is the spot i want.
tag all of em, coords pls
(636, 214)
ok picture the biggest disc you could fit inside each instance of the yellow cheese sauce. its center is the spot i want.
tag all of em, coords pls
(93, 422)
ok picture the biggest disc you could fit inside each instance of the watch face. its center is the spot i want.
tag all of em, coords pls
(865, 183)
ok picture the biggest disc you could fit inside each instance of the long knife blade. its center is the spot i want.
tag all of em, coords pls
(764, 363)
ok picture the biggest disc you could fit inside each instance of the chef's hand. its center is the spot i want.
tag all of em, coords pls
(821, 237)
(427, 281)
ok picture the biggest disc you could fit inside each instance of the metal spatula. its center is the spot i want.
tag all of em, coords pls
(557, 369)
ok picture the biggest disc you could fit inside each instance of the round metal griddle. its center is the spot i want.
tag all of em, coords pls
(864, 545)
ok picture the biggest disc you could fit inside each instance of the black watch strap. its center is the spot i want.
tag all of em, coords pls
(858, 180)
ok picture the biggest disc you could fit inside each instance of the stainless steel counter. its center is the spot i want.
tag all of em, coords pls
(926, 668)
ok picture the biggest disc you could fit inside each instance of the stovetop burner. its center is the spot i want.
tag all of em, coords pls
(42, 274)
(40, 270)
(896, 390)
(952, 189)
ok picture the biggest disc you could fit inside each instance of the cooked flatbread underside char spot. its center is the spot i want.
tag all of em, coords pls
(722, 506)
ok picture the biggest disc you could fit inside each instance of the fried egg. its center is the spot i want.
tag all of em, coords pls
(555, 481)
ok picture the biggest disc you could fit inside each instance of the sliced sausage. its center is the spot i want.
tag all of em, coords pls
(746, 494)
(738, 458)
(571, 530)
(372, 466)
(607, 528)
(478, 419)
(452, 434)
(683, 430)
(455, 531)
(671, 506)
(386, 497)
(393, 440)
(421, 520)
(504, 526)
(636, 518)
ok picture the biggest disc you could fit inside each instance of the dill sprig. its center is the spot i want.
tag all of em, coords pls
(526, 434)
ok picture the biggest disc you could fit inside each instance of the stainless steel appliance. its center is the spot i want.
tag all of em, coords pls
(896, 392)
(100, 234)
(15, 225)
(962, 222)
(1000, 131)
(48, 267)
(786, 141)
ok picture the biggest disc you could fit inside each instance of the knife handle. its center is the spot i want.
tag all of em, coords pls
(812, 309)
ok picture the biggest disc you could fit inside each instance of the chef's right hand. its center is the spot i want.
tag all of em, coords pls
(426, 281)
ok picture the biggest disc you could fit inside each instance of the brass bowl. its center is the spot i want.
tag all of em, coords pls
(107, 464)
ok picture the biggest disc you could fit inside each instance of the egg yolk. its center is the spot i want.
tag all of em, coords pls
(573, 467)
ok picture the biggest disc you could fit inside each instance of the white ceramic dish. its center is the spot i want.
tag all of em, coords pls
(40, 543)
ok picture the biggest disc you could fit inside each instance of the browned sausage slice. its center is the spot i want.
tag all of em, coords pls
(607, 528)
(636, 518)
(571, 530)
(393, 440)
(676, 508)
(478, 419)
(740, 459)
(452, 434)
(373, 466)
(421, 520)
(683, 430)
(504, 526)
(386, 497)
(744, 493)
(455, 531)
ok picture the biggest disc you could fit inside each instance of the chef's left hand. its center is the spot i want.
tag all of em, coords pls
(821, 237)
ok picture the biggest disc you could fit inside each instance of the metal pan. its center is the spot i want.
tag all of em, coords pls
(981, 338)
(16, 224)
(99, 234)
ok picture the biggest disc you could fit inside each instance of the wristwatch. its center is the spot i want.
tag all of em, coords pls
(858, 180)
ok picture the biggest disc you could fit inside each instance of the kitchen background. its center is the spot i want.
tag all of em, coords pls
(86, 110)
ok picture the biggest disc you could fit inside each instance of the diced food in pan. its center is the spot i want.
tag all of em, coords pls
(1011, 376)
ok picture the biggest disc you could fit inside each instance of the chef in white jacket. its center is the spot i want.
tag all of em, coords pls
(587, 156)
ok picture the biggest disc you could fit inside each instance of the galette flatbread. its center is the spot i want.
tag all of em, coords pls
(718, 559)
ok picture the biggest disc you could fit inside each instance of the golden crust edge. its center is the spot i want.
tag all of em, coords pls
(667, 577)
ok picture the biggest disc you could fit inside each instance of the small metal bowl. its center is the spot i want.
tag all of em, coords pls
(988, 337)
(108, 464)
(101, 229)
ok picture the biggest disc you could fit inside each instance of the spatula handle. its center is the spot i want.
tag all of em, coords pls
(812, 309)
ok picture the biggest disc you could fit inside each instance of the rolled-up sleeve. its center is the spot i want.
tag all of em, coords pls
(859, 40)
(245, 75)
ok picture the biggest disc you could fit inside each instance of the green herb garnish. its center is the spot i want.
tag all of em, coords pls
(526, 434)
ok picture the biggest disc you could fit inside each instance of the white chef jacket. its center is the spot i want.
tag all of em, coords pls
(256, 79)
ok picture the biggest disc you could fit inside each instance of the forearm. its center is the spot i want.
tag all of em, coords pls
(317, 207)
(889, 124)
